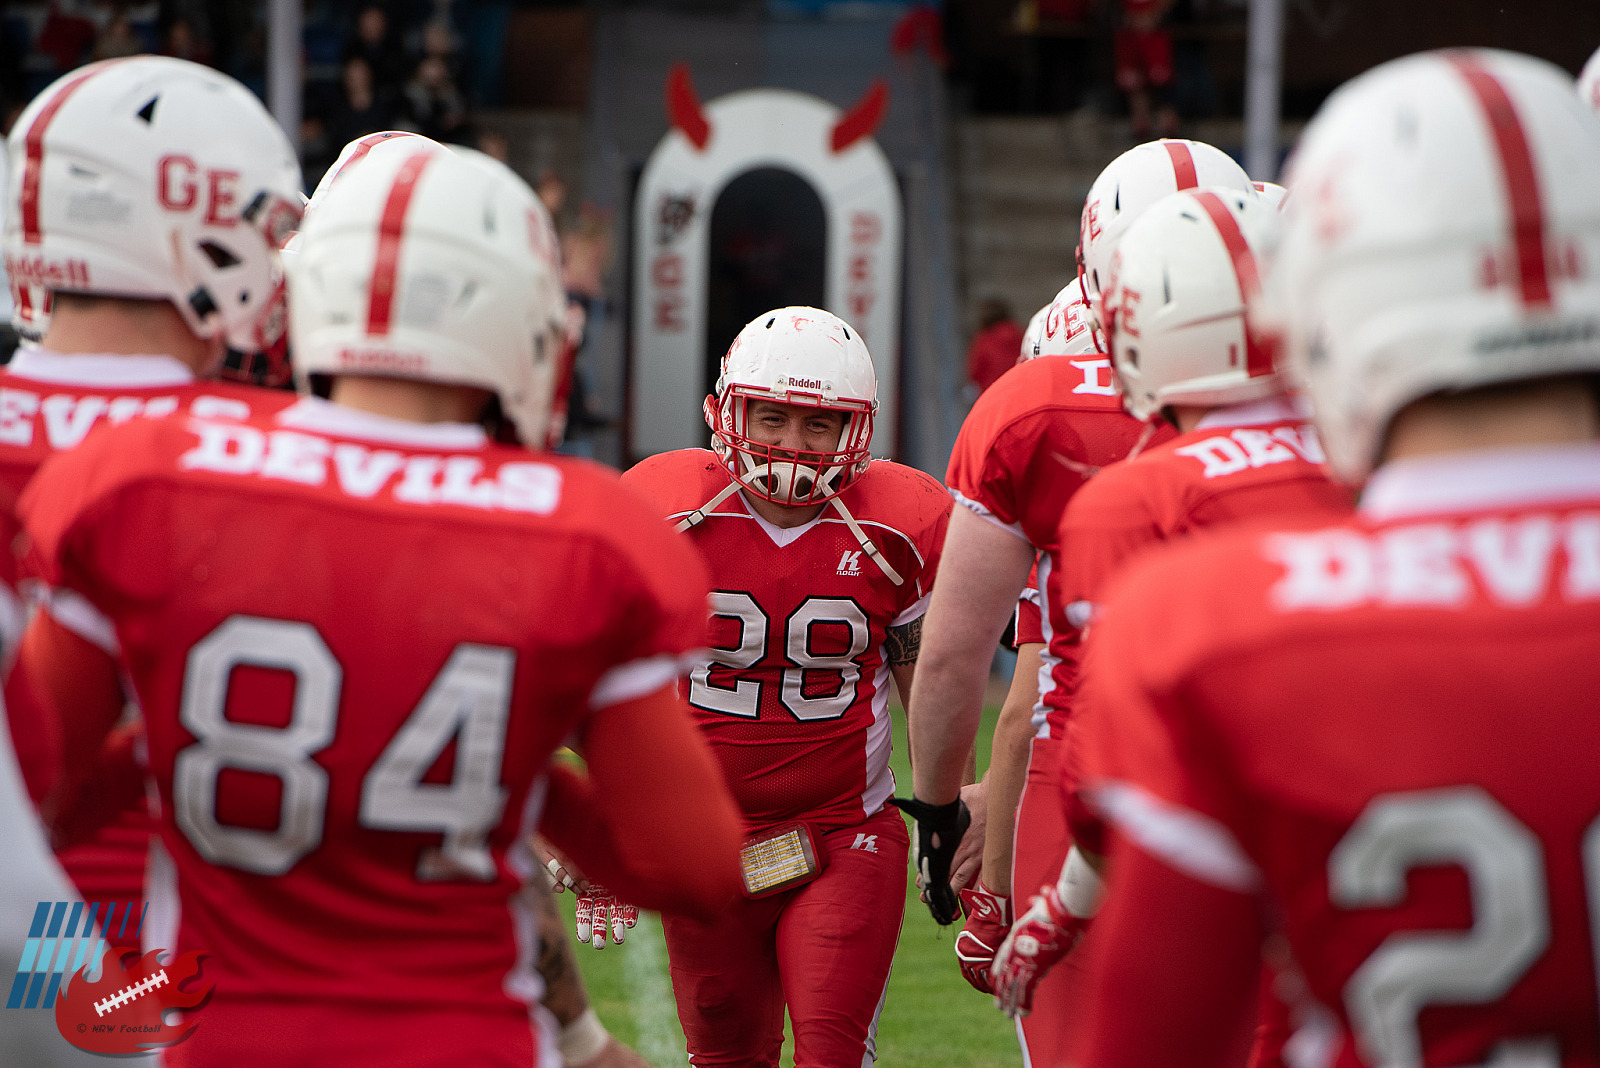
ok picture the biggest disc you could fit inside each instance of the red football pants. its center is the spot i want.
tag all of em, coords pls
(824, 949)
(1038, 849)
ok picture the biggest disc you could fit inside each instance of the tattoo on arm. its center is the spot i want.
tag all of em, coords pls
(564, 995)
(905, 642)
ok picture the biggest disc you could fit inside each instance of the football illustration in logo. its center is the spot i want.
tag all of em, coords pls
(123, 1011)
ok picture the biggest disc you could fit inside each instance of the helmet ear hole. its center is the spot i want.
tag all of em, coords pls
(1132, 355)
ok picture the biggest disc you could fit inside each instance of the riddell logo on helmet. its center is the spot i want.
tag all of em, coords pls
(52, 274)
(806, 383)
(380, 360)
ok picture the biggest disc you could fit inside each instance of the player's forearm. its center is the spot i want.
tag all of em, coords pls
(980, 575)
(663, 798)
(1008, 768)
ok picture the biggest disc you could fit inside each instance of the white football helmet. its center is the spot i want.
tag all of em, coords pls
(1589, 82)
(1068, 327)
(1271, 192)
(1444, 234)
(800, 356)
(155, 178)
(423, 263)
(1134, 181)
(1182, 281)
(1035, 330)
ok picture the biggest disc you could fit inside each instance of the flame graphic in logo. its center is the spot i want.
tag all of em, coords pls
(122, 1011)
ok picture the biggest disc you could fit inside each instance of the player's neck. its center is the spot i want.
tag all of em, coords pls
(112, 325)
(783, 516)
(1553, 412)
(1186, 417)
(410, 400)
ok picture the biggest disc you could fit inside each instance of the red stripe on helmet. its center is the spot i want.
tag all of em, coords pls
(1516, 167)
(391, 228)
(1258, 357)
(367, 144)
(1182, 164)
(33, 154)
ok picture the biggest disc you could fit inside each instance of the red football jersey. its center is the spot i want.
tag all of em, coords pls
(795, 698)
(50, 402)
(1026, 447)
(1256, 461)
(1387, 725)
(357, 642)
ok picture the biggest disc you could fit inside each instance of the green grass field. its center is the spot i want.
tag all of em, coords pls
(932, 1019)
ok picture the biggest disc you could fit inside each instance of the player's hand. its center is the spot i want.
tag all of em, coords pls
(1042, 936)
(614, 1055)
(560, 873)
(933, 847)
(600, 915)
(968, 860)
(988, 923)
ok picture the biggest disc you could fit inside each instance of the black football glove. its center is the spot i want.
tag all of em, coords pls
(946, 823)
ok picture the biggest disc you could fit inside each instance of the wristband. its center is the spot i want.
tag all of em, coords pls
(1080, 886)
(583, 1038)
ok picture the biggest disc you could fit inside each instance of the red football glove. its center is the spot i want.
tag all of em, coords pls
(599, 913)
(1042, 936)
(988, 920)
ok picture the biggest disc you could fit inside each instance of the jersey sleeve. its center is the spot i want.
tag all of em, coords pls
(930, 507)
(978, 476)
(1149, 759)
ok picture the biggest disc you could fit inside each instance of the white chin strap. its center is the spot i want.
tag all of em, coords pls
(698, 516)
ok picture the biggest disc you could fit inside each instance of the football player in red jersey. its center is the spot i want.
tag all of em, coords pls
(197, 188)
(821, 561)
(1183, 282)
(351, 734)
(1373, 742)
(1019, 458)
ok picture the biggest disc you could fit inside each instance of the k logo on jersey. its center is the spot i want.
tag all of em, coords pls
(850, 562)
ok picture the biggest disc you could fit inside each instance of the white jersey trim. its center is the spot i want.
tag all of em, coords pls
(1277, 409)
(1047, 661)
(99, 370)
(1489, 478)
(635, 679)
(1196, 845)
(318, 415)
(784, 536)
(916, 611)
(73, 611)
(983, 513)
(879, 740)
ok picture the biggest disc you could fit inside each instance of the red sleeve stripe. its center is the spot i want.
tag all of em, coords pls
(1182, 164)
(1258, 358)
(1516, 167)
(33, 158)
(391, 230)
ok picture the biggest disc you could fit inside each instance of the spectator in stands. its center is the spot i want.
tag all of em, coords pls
(1144, 66)
(434, 104)
(375, 43)
(184, 42)
(118, 39)
(493, 143)
(362, 107)
(994, 349)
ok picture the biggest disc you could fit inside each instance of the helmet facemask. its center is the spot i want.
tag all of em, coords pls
(795, 478)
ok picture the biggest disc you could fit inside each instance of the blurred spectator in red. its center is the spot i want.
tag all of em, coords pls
(66, 39)
(1144, 66)
(118, 38)
(994, 350)
(375, 43)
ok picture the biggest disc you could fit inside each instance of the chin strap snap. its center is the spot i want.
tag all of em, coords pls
(866, 543)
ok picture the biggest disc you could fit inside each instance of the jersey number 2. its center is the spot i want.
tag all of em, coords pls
(469, 701)
(1504, 862)
(744, 699)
